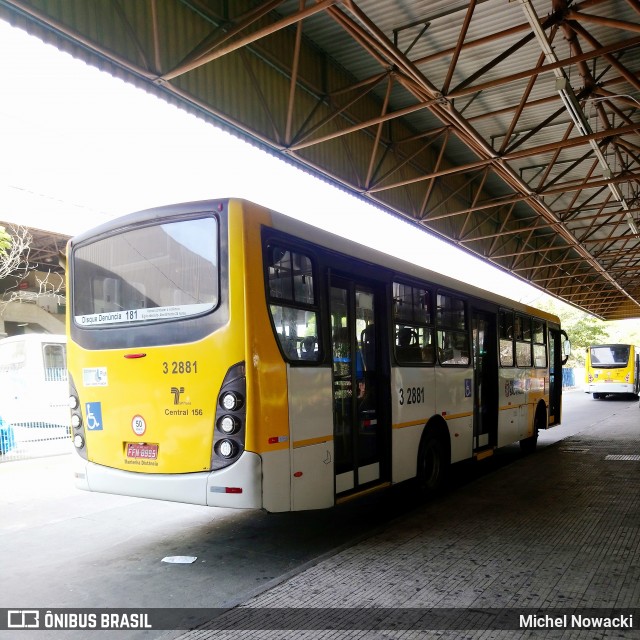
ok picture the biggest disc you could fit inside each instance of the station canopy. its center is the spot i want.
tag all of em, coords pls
(511, 128)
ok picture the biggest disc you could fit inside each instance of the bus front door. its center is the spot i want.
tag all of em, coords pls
(485, 370)
(357, 387)
(556, 357)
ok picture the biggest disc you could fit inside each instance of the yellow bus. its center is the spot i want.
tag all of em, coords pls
(612, 369)
(227, 355)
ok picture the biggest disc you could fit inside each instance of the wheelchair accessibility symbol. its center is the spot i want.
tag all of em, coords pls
(94, 416)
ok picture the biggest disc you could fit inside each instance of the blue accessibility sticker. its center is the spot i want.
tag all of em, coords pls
(94, 416)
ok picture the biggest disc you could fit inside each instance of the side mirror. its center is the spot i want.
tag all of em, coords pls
(566, 347)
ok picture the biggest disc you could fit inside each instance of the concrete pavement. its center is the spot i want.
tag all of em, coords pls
(553, 533)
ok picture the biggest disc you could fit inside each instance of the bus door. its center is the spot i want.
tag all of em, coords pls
(634, 366)
(557, 358)
(358, 381)
(485, 376)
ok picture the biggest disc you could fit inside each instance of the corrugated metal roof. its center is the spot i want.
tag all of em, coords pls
(447, 113)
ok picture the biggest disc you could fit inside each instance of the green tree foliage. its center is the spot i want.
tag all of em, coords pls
(5, 242)
(584, 330)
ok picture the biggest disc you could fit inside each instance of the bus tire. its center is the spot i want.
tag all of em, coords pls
(529, 445)
(433, 466)
(597, 396)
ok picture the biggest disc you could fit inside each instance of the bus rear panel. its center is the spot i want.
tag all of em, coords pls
(612, 369)
(157, 362)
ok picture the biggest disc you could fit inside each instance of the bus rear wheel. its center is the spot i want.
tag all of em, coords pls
(529, 445)
(433, 466)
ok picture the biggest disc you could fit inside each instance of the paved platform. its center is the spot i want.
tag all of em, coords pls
(554, 533)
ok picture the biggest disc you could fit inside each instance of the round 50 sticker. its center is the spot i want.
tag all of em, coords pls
(138, 425)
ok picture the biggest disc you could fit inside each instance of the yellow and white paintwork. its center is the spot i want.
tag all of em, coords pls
(288, 462)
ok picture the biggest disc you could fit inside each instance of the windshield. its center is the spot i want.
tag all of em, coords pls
(610, 356)
(161, 272)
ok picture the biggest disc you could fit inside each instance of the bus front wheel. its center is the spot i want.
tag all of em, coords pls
(529, 445)
(433, 466)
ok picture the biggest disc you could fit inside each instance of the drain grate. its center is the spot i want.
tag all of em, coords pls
(632, 458)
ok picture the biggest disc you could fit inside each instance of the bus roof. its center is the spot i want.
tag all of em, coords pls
(349, 247)
(325, 239)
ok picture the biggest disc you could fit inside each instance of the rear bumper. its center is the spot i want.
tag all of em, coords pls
(609, 387)
(238, 486)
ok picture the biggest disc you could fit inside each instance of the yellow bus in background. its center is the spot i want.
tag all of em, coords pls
(612, 369)
(223, 354)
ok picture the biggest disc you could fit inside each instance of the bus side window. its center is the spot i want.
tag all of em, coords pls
(539, 344)
(506, 339)
(523, 341)
(413, 314)
(452, 330)
(292, 302)
(296, 330)
(453, 348)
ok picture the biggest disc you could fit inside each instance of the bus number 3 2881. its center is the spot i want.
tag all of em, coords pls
(411, 395)
(180, 367)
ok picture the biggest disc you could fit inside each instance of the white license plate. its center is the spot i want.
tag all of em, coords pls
(142, 450)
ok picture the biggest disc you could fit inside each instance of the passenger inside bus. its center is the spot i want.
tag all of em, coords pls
(308, 349)
(407, 345)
